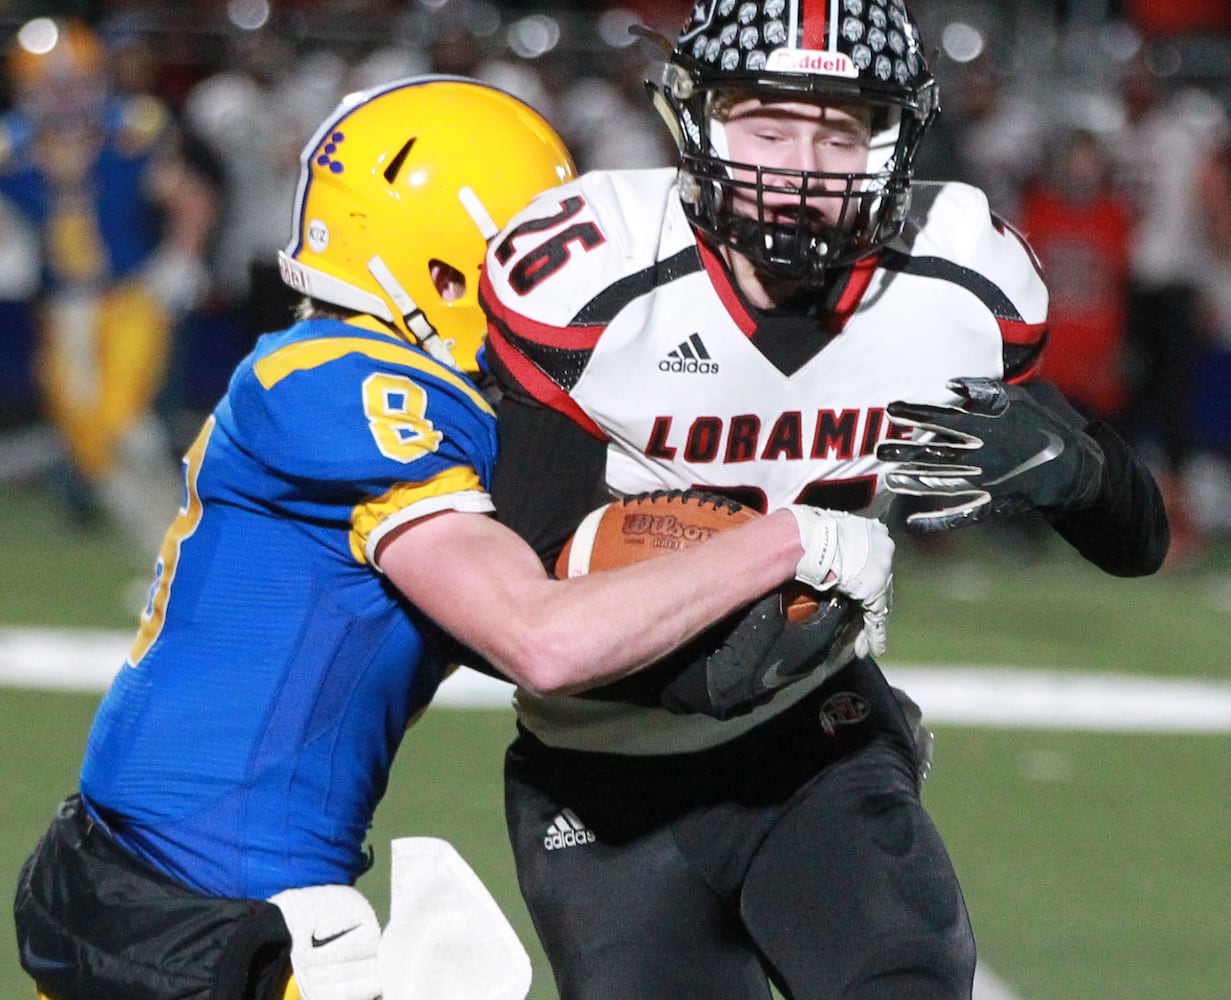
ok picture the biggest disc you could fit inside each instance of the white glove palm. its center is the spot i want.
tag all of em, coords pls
(853, 555)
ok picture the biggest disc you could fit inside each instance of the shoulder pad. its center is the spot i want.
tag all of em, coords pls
(954, 222)
(953, 235)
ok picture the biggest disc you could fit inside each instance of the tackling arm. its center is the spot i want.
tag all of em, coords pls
(617, 622)
(489, 589)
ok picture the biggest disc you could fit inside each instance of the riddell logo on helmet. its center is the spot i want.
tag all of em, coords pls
(294, 275)
(811, 61)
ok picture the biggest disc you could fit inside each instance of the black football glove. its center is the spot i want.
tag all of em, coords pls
(762, 653)
(1004, 450)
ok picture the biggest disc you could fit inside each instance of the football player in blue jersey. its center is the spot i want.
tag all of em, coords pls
(122, 221)
(801, 322)
(332, 550)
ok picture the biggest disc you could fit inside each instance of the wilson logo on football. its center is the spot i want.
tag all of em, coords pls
(665, 531)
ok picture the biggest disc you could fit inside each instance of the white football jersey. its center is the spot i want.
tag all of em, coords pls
(605, 306)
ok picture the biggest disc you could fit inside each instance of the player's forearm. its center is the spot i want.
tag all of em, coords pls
(1124, 531)
(191, 205)
(595, 629)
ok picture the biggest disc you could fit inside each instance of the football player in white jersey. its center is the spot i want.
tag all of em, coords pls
(335, 526)
(784, 318)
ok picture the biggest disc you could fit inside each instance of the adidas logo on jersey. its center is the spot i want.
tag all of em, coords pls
(567, 830)
(690, 357)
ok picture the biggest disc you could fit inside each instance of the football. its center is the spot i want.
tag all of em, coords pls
(636, 528)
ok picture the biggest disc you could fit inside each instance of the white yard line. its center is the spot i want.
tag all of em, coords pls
(989, 986)
(86, 660)
(1006, 697)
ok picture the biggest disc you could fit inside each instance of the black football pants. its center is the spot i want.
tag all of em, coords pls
(799, 853)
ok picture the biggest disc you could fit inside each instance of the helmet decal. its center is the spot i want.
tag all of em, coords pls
(826, 37)
(318, 236)
(325, 158)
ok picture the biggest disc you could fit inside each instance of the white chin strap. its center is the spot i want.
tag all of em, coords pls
(416, 322)
(414, 318)
(478, 213)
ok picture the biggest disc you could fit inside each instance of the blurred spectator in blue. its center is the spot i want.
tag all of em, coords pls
(1212, 476)
(122, 224)
(1081, 231)
(1160, 155)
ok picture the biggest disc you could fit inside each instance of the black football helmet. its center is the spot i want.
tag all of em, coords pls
(849, 51)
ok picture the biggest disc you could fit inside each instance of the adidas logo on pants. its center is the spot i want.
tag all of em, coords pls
(567, 830)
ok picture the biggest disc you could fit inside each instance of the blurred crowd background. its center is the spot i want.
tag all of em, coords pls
(146, 175)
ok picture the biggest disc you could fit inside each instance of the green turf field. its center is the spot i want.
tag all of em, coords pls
(1095, 865)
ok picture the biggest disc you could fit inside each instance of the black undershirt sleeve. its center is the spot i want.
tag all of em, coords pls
(549, 474)
(1125, 531)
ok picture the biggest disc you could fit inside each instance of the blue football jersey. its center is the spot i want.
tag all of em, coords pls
(245, 744)
(99, 226)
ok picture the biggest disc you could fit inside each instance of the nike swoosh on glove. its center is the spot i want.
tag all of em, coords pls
(762, 653)
(1003, 450)
(335, 936)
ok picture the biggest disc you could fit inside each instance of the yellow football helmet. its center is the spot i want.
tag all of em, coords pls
(49, 48)
(404, 178)
(56, 68)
